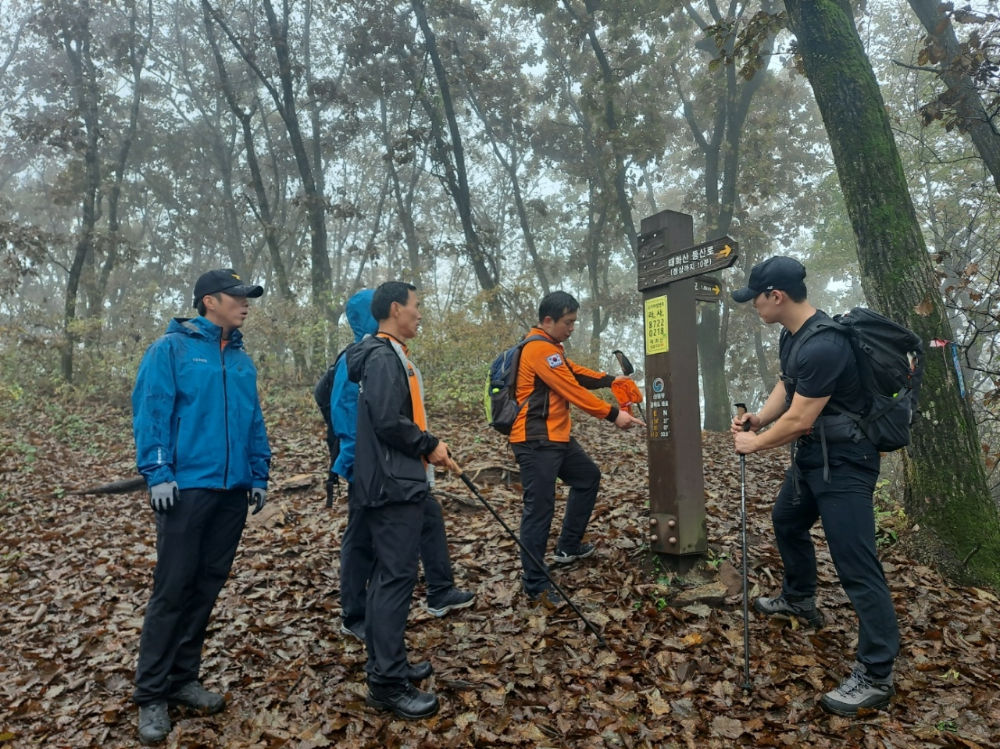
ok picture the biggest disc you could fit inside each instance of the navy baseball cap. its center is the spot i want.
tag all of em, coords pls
(781, 273)
(224, 280)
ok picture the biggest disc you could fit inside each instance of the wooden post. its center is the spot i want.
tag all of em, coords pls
(676, 484)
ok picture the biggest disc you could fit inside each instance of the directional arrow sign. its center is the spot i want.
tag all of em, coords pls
(707, 289)
(657, 267)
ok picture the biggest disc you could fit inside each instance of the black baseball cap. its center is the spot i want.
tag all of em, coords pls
(779, 272)
(225, 280)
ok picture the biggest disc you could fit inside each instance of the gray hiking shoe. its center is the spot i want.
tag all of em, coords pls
(356, 630)
(450, 601)
(784, 609)
(196, 697)
(154, 724)
(567, 557)
(859, 690)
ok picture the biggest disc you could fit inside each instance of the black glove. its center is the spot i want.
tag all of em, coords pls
(258, 497)
(163, 497)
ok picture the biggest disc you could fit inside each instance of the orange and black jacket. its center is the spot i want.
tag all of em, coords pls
(547, 382)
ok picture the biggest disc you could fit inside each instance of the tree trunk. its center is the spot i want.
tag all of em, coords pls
(137, 57)
(402, 209)
(459, 178)
(509, 163)
(284, 101)
(722, 165)
(968, 103)
(946, 494)
(76, 38)
(262, 208)
(613, 136)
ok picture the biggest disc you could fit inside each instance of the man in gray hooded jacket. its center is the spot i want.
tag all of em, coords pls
(357, 553)
(394, 453)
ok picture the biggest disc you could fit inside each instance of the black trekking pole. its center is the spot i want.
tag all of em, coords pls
(472, 488)
(331, 482)
(741, 409)
(627, 370)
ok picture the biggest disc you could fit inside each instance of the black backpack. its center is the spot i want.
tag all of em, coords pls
(500, 399)
(891, 365)
(322, 393)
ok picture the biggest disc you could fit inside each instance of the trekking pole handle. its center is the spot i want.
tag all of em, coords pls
(741, 409)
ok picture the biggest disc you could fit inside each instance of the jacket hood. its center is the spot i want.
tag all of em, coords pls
(203, 328)
(358, 354)
(359, 314)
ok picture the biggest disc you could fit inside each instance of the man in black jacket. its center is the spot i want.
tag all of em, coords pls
(391, 486)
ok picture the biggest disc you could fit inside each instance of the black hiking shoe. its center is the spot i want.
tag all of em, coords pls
(453, 599)
(404, 700)
(859, 690)
(196, 697)
(419, 671)
(356, 630)
(549, 597)
(581, 552)
(154, 723)
(782, 608)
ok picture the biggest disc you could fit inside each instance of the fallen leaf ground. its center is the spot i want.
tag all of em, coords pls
(75, 575)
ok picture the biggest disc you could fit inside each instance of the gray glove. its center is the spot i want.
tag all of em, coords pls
(258, 497)
(163, 497)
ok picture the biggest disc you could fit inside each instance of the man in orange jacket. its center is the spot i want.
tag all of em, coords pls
(547, 382)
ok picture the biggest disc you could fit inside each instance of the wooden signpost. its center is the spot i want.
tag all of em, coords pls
(672, 279)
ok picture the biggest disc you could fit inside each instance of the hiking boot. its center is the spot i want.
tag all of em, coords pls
(581, 552)
(357, 631)
(404, 700)
(154, 724)
(196, 697)
(784, 609)
(549, 597)
(419, 671)
(859, 690)
(451, 600)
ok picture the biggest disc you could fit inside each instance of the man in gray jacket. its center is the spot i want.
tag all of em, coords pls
(391, 486)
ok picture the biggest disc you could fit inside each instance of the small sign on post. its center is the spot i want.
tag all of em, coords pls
(672, 278)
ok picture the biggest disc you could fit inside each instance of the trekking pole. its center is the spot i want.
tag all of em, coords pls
(472, 488)
(741, 409)
(627, 370)
(331, 482)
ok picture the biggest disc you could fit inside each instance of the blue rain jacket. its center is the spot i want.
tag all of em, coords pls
(196, 413)
(344, 398)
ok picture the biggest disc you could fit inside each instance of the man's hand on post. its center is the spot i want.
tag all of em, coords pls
(258, 496)
(163, 497)
(625, 420)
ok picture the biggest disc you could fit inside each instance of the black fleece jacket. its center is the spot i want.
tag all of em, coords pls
(388, 465)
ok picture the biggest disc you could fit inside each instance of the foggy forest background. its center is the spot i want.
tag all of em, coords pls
(488, 152)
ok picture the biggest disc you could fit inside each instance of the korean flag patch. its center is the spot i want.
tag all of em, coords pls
(555, 360)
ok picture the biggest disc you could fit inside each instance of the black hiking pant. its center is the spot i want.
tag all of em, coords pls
(357, 557)
(845, 505)
(395, 537)
(541, 465)
(195, 546)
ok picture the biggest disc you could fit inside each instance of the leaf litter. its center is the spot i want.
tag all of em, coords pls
(76, 572)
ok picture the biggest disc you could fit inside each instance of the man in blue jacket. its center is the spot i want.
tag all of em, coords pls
(356, 551)
(202, 447)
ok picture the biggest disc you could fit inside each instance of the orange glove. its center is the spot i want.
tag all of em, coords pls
(626, 392)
